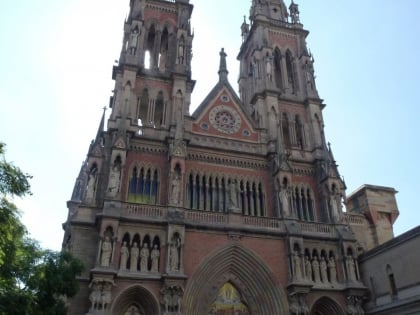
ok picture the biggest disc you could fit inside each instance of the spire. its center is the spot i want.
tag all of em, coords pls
(223, 72)
(101, 128)
(294, 13)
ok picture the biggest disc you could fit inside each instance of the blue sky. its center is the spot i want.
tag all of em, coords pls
(57, 56)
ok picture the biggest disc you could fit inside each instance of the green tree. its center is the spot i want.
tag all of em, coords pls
(32, 280)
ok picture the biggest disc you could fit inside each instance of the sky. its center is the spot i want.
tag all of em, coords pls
(56, 59)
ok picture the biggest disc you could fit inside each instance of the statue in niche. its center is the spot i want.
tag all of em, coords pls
(233, 195)
(334, 207)
(298, 266)
(91, 183)
(268, 68)
(181, 51)
(333, 270)
(132, 42)
(315, 269)
(132, 310)
(154, 255)
(114, 180)
(308, 268)
(323, 268)
(174, 254)
(124, 256)
(284, 198)
(134, 256)
(106, 252)
(144, 257)
(176, 187)
(351, 268)
(95, 295)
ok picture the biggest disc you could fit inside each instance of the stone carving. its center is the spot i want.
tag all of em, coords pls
(171, 299)
(315, 269)
(233, 195)
(298, 304)
(114, 180)
(323, 269)
(181, 48)
(354, 305)
(284, 198)
(100, 297)
(298, 266)
(334, 208)
(268, 68)
(132, 310)
(134, 256)
(308, 269)
(333, 270)
(124, 256)
(176, 185)
(132, 42)
(91, 184)
(174, 254)
(351, 268)
(106, 252)
(144, 257)
(155, 254)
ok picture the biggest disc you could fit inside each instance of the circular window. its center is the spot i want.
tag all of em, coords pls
(224, 98)
(225, 119)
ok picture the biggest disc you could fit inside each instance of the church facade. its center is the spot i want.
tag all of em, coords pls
(236, 208)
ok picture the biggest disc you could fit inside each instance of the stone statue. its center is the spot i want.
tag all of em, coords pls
(106, 252)
(106, 296)
(124, 256)
(284, 198)
(323, 268)
(114, 180)
(308, 268)
(90, 188)
(268, 68)
(181, 48)
(315, 269)
(233, 196)
(351, 268)
(134, 256)
(144, 257)
(333, 270)
(176, 187)
(95, 295)
(132, 43)
(132, 310)
(174, 254)
(298, 266)
(334, 207)
(155, 254)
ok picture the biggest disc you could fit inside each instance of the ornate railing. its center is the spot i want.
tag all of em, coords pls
(316, 228)
(148, 211)
(354, 219)
(206, 217)
(267, 223)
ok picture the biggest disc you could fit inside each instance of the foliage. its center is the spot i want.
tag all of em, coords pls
(32, 280)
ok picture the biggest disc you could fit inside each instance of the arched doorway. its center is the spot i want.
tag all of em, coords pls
(326, 306)
(239, 270)
(135, 300)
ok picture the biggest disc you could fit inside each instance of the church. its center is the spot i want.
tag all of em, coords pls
(236, 208)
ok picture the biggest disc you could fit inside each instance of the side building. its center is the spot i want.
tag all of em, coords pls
(236, 208)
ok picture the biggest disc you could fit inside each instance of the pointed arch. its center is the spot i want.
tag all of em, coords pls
(326, 306)
(149, 58)
(290, 70)
(164, 48)
(138, 297)
(285, 129)
(159, 109)
(143, 106)
(231, 263)
(278, 76)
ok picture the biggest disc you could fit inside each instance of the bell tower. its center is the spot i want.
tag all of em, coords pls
(153, 73)
(277, 87)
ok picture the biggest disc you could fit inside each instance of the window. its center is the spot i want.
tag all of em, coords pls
(143, 186)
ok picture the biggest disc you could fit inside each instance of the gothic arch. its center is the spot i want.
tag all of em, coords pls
(232, 263)
(136, 295)
(326, 306)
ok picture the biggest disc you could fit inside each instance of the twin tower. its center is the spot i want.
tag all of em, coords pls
(236, 208)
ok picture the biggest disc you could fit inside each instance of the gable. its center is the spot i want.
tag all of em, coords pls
(222, 116)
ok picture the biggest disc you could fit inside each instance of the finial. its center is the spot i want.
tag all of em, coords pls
(223, 72)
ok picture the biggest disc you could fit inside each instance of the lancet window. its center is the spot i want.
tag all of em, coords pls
(293, 132)
(291, 72)
(143, 185)
(277, 69)
(303, 204)
(223, 194)
(151, 110)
